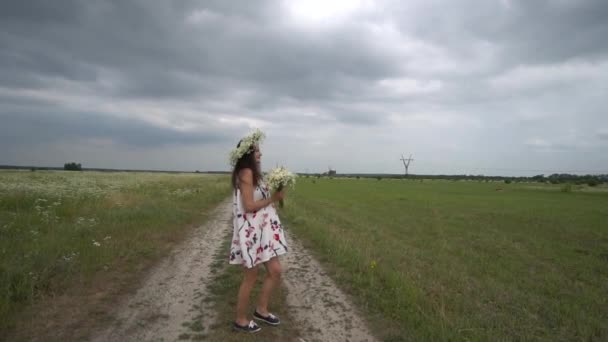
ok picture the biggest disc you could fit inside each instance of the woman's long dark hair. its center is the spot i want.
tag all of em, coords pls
(246, 161)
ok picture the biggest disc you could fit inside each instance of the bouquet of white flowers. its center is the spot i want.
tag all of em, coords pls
(280, 178)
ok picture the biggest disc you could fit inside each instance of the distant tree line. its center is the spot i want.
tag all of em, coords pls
(559, 178)
(76, 166)
(591, 180)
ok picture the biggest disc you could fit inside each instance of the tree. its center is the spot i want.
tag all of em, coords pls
(72, 166)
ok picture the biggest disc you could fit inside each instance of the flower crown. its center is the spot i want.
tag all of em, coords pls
(246, 145)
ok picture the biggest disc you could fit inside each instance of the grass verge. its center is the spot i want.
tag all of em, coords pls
(71, 243)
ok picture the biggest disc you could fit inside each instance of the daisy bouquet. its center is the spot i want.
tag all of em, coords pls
(280, 178)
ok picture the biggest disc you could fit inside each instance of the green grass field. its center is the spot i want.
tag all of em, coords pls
(58, 229)
(431, 260)
(442, 260)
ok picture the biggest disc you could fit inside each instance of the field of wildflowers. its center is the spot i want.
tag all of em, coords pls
(58, 228)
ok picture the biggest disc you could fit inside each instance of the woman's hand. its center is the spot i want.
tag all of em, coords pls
(277, 196)
(247, 190)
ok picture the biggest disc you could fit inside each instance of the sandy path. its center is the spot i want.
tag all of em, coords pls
(324, 312)
(173, 292)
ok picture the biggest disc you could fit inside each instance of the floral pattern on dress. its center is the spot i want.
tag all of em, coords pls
(257, 236)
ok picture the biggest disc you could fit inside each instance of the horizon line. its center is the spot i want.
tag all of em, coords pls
(59, 168)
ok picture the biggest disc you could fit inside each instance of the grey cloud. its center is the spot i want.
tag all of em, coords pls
(246, 61)
(550, 146)
(25, 13)
(22, 127)
(10, 102)
(552, 31)
(522, 32)
(152, 45)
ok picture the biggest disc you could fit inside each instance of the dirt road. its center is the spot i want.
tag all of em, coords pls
(173, 292)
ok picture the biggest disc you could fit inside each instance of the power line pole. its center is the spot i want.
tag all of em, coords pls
(406, 162)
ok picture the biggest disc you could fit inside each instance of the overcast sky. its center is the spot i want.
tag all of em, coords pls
(475, 86)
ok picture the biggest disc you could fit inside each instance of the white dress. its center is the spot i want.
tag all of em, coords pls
(257, 236)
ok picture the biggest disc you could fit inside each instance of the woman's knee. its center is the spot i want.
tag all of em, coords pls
(274, 269)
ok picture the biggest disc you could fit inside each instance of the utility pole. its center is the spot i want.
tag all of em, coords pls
(406, 162)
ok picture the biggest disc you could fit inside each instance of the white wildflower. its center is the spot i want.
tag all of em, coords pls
(70, 257)
(280, 178)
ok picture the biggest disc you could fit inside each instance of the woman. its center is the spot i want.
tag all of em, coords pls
(258, 237)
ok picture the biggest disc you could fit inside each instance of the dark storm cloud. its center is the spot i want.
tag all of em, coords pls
(534, 65)
(152, 44)
(178, 49)
(522, 31)
(27, 128)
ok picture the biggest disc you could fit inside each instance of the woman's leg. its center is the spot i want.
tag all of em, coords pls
(273, 277)
(249, 277)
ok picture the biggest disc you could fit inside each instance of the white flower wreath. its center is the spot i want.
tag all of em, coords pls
(247, 144)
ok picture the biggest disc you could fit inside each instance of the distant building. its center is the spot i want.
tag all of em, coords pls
(329, 172)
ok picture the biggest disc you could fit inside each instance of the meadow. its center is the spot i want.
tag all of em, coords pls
(61, 231)
(422, 260)
(446, 260)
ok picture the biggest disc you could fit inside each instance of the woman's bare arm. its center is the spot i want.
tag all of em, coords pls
(246, 187)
